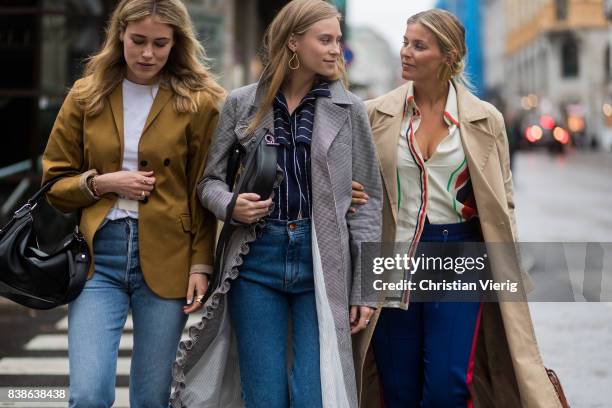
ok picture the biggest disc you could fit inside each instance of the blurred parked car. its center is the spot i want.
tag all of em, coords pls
(544, 131)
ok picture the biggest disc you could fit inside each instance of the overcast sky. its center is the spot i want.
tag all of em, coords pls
(386, 16)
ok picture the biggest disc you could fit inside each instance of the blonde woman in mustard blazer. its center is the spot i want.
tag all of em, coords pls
(129, 145)
(481, 355)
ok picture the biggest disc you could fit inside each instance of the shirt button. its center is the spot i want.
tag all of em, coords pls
(292, 226)
(143, 163)
(166, 162)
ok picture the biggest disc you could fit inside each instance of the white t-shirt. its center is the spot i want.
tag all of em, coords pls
(137, 102)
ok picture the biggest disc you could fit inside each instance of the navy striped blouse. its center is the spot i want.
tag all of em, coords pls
(293, 133)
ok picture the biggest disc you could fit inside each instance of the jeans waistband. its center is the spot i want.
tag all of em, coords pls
(285, 227)
(461, 231)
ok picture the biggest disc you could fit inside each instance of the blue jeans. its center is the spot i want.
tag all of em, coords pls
(424, 355)
(96, 319)
(276, 285)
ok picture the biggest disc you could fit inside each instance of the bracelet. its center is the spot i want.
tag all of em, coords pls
(200, 273)
(93, 186)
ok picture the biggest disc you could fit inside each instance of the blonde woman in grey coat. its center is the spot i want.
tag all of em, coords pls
(295, 256)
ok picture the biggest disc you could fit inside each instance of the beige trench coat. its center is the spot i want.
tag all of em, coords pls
(508, 369)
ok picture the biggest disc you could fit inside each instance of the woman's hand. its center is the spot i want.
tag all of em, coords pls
(198, 283)
(250, 209)
(360, 317)
(133, 185)
(359, 196)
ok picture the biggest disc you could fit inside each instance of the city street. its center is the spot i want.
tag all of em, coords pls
(34, 352)
(558, 198)
(568, 199)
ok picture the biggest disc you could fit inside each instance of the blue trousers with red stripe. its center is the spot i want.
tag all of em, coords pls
(424, 355)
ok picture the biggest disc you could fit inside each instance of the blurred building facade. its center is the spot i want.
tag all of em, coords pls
(556, 61)
(43, 46)
(375, 68)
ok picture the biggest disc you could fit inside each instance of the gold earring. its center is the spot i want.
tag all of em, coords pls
(445, 73)
(297, 60)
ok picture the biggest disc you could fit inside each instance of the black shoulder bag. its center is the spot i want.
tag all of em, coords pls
(258, 172)
(35, 278)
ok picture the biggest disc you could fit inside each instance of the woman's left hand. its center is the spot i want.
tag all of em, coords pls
(198, 283)
(360, 317)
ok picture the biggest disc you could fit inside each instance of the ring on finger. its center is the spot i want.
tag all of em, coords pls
(142, 194)
(144, 181)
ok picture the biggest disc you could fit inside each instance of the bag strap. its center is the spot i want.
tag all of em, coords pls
(32, 202)
(43, 190)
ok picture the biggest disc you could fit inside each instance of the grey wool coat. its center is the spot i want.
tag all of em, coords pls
(206, 372)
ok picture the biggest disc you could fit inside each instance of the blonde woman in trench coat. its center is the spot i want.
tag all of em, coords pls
(507, 369)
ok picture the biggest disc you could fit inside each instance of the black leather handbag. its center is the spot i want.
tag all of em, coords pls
(36, 278)
(246, 173)
(257, 170)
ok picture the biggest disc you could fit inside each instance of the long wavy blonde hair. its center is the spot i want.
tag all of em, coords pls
(295, 18)
(185, 73)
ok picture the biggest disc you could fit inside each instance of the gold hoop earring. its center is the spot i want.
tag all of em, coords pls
(297, 60)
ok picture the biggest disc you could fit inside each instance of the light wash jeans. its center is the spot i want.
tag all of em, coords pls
(276, 285)
(96, 319)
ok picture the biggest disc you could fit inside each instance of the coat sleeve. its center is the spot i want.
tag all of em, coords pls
(365, 224)
(203, 222)
(64, 158)
(213, 190)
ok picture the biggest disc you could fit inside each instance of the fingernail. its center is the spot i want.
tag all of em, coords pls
(189, 301)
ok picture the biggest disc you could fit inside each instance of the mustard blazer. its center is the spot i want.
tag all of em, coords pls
(175, 233)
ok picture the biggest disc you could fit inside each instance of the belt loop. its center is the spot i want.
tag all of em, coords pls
(445, 235)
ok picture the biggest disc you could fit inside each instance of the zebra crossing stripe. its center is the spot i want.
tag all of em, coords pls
(59, 366)
(129, 323)
(48, 366)
(54, 342)
(59, 342)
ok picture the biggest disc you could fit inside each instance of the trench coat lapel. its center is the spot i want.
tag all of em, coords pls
(477, 141)
(478, 144)
(386, 137)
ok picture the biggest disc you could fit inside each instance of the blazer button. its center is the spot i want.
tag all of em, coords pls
(166, 162)
(143, 163)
